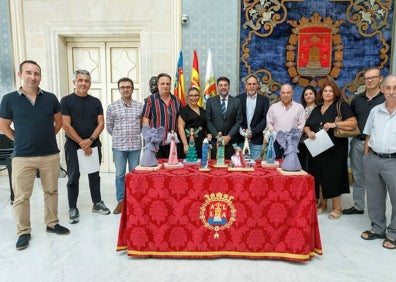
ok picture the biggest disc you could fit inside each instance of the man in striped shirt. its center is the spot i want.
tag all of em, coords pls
(160, 109)
(123, 122)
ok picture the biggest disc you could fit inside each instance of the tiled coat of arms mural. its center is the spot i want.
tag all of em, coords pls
(304, 42)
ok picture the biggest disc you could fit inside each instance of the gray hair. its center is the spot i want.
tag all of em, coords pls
(254, 76)
(84, 72)
(387, 78)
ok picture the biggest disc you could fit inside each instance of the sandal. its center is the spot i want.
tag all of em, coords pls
(321, 210)
(370, 235)
(335, 214)
(389, 243)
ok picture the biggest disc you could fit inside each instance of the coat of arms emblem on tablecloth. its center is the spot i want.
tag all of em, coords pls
(218, 212)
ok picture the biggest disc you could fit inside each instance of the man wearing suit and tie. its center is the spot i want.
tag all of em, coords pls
(224, 114)
(254, 109)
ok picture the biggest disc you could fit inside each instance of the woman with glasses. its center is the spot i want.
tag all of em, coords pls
(190, 117)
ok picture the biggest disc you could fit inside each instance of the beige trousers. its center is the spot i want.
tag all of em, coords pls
(24, 171)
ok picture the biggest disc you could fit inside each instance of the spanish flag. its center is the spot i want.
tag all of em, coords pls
(179, 81)
(210, 83)
(195, 77)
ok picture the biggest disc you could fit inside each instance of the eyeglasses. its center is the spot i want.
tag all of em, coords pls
(125, 87)
(371, 77)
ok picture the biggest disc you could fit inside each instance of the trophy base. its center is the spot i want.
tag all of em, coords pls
(268, 165)
(284, 172)
(220, 165)
(171, 166)
(197, 162)
(148, 168)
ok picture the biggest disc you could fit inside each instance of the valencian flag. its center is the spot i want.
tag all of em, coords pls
(179, 81)
(210, 84)
(195, 77)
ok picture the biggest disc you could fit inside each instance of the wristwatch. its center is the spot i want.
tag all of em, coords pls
(92, 138)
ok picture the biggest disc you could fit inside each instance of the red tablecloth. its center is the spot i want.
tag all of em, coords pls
(185, 213)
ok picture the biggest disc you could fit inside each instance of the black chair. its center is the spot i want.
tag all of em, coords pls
(6, 149)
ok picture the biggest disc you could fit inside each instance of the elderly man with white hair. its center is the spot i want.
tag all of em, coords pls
(379, 164)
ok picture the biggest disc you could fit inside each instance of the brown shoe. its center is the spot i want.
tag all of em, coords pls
(118, 208)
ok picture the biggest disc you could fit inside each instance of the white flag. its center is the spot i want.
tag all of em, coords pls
(210, 83)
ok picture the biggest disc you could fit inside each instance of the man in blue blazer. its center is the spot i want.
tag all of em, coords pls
(254, 108)
(224, 114)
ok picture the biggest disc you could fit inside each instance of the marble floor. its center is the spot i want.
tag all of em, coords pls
(88, 253)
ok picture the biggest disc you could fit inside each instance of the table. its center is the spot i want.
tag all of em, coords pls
(186, 213)
(6, 150)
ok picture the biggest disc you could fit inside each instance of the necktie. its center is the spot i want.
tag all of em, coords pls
(223, 107)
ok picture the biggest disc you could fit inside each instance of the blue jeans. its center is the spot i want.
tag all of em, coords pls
(120, 160)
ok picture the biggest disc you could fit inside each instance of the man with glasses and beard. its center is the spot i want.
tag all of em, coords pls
(123, 120)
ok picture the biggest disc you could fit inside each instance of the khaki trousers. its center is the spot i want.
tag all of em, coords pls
(24, 171)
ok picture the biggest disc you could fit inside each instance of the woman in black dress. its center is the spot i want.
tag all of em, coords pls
(330, 168)
(192, 116)
(308, 100)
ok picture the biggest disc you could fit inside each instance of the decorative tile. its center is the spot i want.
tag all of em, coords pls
(6, 65)
(212, 25)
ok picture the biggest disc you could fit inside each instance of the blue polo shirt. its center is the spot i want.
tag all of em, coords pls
(34, 132)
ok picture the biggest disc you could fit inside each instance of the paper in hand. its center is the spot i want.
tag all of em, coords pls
(321, 143)
(88, 164)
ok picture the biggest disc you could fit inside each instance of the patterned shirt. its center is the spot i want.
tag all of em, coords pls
(123, 122)
(161, 114)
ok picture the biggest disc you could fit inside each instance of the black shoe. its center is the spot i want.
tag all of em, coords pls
(352, 211)
(58, 229)
(74, 216)
(23, 241)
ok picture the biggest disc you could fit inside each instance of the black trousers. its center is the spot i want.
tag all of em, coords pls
(73, 172)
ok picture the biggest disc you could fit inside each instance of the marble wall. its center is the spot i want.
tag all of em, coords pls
(42, 27)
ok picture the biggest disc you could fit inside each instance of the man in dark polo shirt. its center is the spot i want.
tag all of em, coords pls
(36, 117)
(361, 105)
(83, 122)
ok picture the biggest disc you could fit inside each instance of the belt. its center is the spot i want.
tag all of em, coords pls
(385, 156)
(361, 137)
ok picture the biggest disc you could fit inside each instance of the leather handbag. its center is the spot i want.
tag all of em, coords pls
(343, 133)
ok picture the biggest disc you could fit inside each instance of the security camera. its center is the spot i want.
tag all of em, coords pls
(184, 19)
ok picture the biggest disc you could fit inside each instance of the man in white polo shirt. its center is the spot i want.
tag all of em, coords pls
(379, 163)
